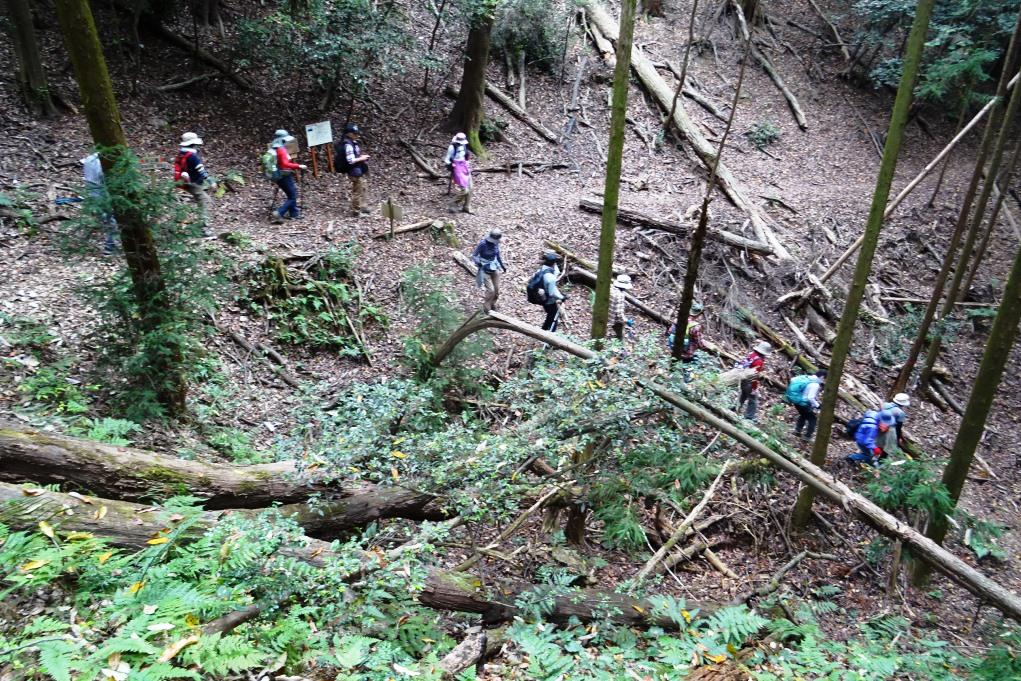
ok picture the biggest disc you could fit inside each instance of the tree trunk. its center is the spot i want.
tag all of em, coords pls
(983, 391)
(453, 591)
(999, 146)
(698, 236)
(983, 245)
(614, 158)
(82, 41)
(31, 74)
(842, 344)
(135, 475)
(468, 110)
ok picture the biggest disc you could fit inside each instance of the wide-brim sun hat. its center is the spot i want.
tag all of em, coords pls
(460, 138)
(902, 400)
(190, 139)
(763, 348)
(696, 308)
(623, 281)
(494, 235)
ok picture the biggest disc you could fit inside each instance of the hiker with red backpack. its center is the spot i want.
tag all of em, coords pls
(191, 176)
(749, 387)
(542, 289)
(279, 168)
(803, 392)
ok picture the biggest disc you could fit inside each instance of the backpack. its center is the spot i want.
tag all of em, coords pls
(852, 427)
(268, 161)
(181, 167)
(535, 289)
(796, 389)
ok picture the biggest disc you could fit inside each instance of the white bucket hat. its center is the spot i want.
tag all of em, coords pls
(282, 134)
(190, 139)
(763, 348)
(460, 138)
(902, 400)
(623, 282)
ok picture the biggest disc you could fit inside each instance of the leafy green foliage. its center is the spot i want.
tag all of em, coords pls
(980, 536)
(910, 485)
(763, 134)
(111, 431)
(535, 27)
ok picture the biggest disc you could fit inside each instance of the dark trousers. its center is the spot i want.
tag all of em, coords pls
(618, 331)
(551, 317)
(806, 420)
(290, 188)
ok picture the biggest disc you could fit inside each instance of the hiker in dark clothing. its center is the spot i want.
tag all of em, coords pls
(353, 162)
(191, 176)
(542, 290)
(803, 392)
(490, 263)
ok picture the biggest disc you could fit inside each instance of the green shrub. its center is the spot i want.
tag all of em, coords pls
(763, 134)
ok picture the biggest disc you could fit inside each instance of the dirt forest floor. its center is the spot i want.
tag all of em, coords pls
(809, 182)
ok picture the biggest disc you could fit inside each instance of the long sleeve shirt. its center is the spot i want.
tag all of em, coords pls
(811, 394)
(351, 150)
(488, 253)
(92, 171)
(194, 166)
(456, 152)
(549, 284)
(693, 333)
(617, 315)
(754, 361)
(284, 161)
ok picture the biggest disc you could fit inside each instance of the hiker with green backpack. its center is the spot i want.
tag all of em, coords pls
(803, 392)
(277, 167)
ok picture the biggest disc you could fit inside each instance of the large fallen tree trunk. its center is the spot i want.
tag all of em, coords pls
(452, 591)
(582, 276)
(515, 110)
(646, 72)
(820, 480)
(130, 525)
(135, 475)
(634, 217)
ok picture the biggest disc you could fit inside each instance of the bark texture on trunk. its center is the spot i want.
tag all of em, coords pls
(31, 74)
(468, 110)
(802, 512)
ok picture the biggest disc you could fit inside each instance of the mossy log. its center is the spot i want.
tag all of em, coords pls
(465, 593)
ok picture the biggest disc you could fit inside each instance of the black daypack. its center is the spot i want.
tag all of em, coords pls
(340, 164)
(534, 288)
(852, 427)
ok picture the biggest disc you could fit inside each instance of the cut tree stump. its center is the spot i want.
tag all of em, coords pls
(634, 217)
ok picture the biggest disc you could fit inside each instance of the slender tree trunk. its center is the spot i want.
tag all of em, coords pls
(1009, 69)
(698, 236)
(432, 42)
(684, 68)
(999, 146)
(614, 159)
(842, 344)
(960, 124)
(30, 72)
(983, 391)
(82, 41)
(468, 110)
(983, 245)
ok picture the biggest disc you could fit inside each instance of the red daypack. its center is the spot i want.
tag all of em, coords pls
(181, 167)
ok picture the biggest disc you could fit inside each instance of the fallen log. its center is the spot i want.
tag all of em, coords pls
(421, 162)
(792, 100)
(646, 72)
(478, 645)
(271, 359)
(603, 46)
(581, 276)
(462, 593)
(130, 525)
(153, 24)
(808, 473)
(694, 95)
(515, 110)
(28, 455)
(590, 265)
(413, 227)
(634, 217)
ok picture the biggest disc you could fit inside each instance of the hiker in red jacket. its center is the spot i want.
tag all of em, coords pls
(287, 169)
(749, 397)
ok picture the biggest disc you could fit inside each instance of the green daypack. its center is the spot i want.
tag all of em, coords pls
(796, 389)
(269, 165)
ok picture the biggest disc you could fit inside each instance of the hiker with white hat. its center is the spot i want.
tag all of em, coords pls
(456, 161)
(191, 176)
(749, 395)
(693, 341)
(900, 402)
(285, 176)
(490, 262)
(618, 291)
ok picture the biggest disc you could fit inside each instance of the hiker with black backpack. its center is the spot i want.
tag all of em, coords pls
(278, 167)
(803, 392)
(456, 161)
(349, 159)
(489, 260)
(191, 176)
(542, 289)
(866, 435)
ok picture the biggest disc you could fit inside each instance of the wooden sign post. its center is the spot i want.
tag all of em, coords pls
(320, 134)
(394, 212)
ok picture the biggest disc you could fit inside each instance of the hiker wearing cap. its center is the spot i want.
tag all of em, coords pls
(490, 263)
(618, 291)
(456, 161)
(900, 402)
(693, 340)
(749, 395)
(285, 176)
(191, 176)
(353, 162)
(542, 289)
(95, 185)
(803, 392)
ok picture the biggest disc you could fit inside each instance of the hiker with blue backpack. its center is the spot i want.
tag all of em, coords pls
(278, 167)
(803, 392)
(489, 260)
(542, 289)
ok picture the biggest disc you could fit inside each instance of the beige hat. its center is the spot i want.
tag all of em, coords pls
(460, 138)
(190, 139)
(902, 400)
(763, 348)
(623, 282)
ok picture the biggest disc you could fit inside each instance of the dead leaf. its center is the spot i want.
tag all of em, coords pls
(47, 529)
(80, 497)
(32, 492)
(33, 565)
(177, 646)
(136, 587)
(100, 513)
(156, 541)
(103, 557)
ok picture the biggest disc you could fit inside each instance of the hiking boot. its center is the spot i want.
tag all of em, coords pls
(276, 218)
